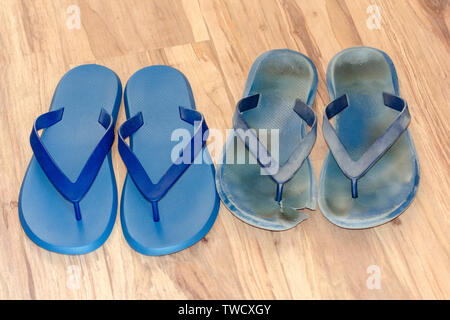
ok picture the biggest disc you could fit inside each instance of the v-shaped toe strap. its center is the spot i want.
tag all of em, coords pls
(356, 169)
(72, 191)
(151, 191)
(301, 151)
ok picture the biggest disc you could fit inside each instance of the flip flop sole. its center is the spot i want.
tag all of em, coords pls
(280, 76)
(46, 216)
(388, 188)
(190, 207)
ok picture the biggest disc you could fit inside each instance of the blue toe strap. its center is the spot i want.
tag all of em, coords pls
(154, 192)
(356, 169)
(303, 148)
(72, 191)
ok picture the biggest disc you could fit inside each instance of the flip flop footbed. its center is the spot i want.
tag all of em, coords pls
(189, 208)
(390, 185)
(280, 77)
(46, 216)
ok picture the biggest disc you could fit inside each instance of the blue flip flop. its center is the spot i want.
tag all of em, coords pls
(68, 198)
(181, 207)
(264, 191)
(371, 173)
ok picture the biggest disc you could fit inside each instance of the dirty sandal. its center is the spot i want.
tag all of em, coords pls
(371, 173)
(264, 191)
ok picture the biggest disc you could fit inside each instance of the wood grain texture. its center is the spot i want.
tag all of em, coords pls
(214, 44)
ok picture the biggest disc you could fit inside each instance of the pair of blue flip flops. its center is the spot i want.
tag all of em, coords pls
(68, 200)
(369, 176)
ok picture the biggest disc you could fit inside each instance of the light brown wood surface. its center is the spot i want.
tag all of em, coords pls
(214, 44)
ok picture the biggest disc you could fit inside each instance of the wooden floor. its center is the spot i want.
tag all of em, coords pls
(214, 44)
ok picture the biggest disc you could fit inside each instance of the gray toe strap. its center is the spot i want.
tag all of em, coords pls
(284, 173)
(356, 169)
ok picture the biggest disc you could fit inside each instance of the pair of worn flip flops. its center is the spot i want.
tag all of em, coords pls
(369, 176)
(68, 200)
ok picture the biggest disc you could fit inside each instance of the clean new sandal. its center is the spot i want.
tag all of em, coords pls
(371, 173)
(68, 199)
(264, 191)
(168, 203)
